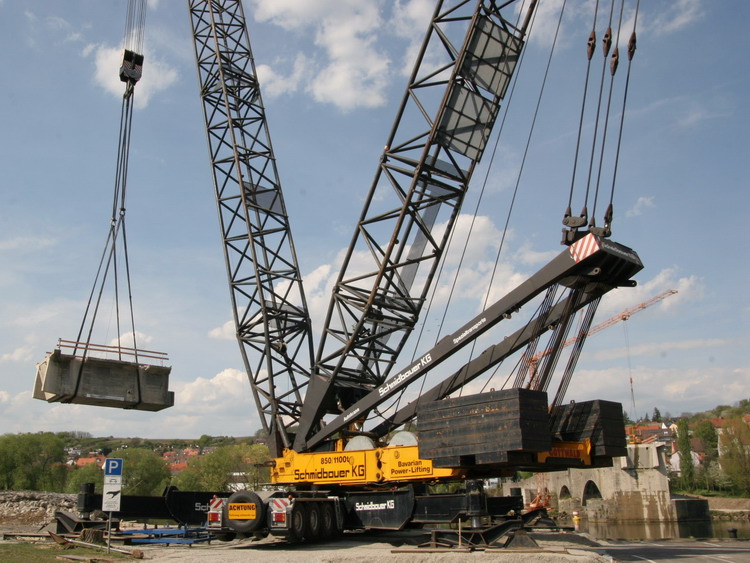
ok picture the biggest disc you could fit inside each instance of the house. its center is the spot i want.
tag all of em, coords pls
(673, 464)
(97, 459)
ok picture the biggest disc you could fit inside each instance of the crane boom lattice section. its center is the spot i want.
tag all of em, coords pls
(441, 130)
(271, 315)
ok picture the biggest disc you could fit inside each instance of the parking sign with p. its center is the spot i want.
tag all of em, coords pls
(112, 467)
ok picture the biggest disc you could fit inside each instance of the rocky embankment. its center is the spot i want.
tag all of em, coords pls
(29, 508)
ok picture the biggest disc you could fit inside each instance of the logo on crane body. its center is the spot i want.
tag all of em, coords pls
(404, 375)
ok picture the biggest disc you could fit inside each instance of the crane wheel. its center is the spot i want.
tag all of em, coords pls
(298, 527)
(313, 521)
(328, 528)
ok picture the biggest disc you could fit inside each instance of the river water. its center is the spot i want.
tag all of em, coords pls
(663, 530)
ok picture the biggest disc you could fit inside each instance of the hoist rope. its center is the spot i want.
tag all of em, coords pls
(591, 46)
(135, 23)
(613, 68)
(631, 53)
(133, 40)
(523, 159)
(606, 43)
(630, 367)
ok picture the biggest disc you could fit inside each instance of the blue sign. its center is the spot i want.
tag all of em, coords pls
(112, 466)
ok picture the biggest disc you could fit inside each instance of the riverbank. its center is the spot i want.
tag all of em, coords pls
(726, 508)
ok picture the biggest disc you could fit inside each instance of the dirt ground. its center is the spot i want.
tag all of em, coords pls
(368, 547)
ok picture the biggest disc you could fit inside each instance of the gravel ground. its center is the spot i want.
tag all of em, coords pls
(34, 513)
(368, 547)
(352, 547)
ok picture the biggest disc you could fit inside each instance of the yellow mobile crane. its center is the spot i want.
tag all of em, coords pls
(339, 462)
(345, 472)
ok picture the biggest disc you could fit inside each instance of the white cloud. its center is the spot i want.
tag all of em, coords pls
(690, 289)
(21, 354)
(203, 396)
(355, 72)
(655, 349)
(215, 406)
(679, 390)
(274, 84)
(408, 16)
(676, 16)
(26, 243)
(126, 339)
(226, 331)
(411, 15)
(641, 204)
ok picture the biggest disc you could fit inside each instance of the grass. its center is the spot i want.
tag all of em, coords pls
(48, 552)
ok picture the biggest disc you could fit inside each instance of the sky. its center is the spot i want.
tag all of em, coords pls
(332, 75)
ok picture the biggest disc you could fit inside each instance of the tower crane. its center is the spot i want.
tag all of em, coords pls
(534, 383)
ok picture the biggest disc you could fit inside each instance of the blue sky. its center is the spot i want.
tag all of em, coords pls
(332, 75)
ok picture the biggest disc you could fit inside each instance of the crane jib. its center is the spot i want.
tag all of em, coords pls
(590, 259)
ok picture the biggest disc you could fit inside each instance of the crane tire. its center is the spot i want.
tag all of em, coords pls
(298, 526)
(249, 525)
(328, 527)
(313, 521)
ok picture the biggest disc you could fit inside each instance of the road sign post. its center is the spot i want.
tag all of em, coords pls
(112, 492)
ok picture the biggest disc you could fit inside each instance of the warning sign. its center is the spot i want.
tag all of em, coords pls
(242, 511)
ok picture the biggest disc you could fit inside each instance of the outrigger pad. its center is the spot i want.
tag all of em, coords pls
(63, 378)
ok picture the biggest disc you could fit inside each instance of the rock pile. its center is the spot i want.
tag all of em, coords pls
(29, 508)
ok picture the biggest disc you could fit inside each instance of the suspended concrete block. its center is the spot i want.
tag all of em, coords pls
(63, 378)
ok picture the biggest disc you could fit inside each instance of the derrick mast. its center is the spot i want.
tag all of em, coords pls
(268, 301)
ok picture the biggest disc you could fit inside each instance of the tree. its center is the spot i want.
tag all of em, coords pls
(715, 477)
(91, 473)
(217, 470)
(687, 469)
(735, 454)
(706, 432)
(144, 472)
(626, 418)
(33, 462)
(656, 416)
(203, 442)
